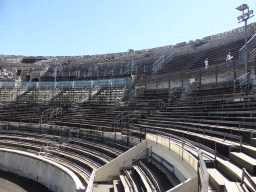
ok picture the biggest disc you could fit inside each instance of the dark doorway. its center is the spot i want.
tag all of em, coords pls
(27, 77)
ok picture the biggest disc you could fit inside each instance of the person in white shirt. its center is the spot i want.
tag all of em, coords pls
(206, 63)
(228, 59)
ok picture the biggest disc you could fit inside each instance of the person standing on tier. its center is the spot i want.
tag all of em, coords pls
(206, 64)
(228, 59)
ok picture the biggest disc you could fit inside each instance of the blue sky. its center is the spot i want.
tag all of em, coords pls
(88, 27)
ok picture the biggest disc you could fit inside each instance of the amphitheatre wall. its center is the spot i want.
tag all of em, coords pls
(180, 48)
(34, 71)
(52, 175)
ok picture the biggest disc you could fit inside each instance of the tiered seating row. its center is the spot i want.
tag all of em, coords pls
(82, 173)
(98, 71)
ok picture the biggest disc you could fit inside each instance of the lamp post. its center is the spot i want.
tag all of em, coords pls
(244, 17)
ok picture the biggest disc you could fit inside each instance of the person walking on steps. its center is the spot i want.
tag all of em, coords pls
(206, 65)
(228, 59)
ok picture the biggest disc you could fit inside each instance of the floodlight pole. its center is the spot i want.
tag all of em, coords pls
(244, 17)
(245, 49)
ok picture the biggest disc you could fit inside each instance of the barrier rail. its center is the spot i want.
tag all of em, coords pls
(246, 175)
(203, 173)
(253, 83)
(137, 115)
(252, 53)
(68, 84)
(251, 44)
(136, 156)
(156, 64)
(49, 113)
(164, 62)
(126, 117)
(91, 181)
(242, 82)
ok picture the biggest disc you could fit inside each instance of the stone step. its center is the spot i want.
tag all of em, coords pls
(233, 171)
(136, 186)
(246, 161)
(210, 188)
(172, 178)
(127, 186)
(117, 186)
(145, 180)
(249, 150)
(235, 187)
(217, 179)
(253, 142)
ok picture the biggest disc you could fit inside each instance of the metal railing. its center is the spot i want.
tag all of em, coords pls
(156, 64)
(51, 93)
(253, 84)
(164, 62)
(49, 113)
(176, 91)
(16, 92)
(135, 158)
(251, 44)
(44, 71)
(242, 83)
(55, 112)
(246, 175)
(252, 53)
(225, 135)
(185, 74)
(127, 117)
(203, 173)
(121, 115)
(137, 115)
(91, 181)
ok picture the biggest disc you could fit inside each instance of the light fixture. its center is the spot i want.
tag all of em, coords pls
(245, 15)
(242, 7)
(239, 18)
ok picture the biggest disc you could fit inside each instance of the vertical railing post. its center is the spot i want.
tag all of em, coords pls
(242, 180)
(182, 149)
(115, 131)
(182, 79)
(132, 67)
(234, 70)
(145, 83)
(215, 151)
(140, 133)
(241, 143)
(255, 67)
(170, 81)
(245, 50)
(200, 79)
(216, 75)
